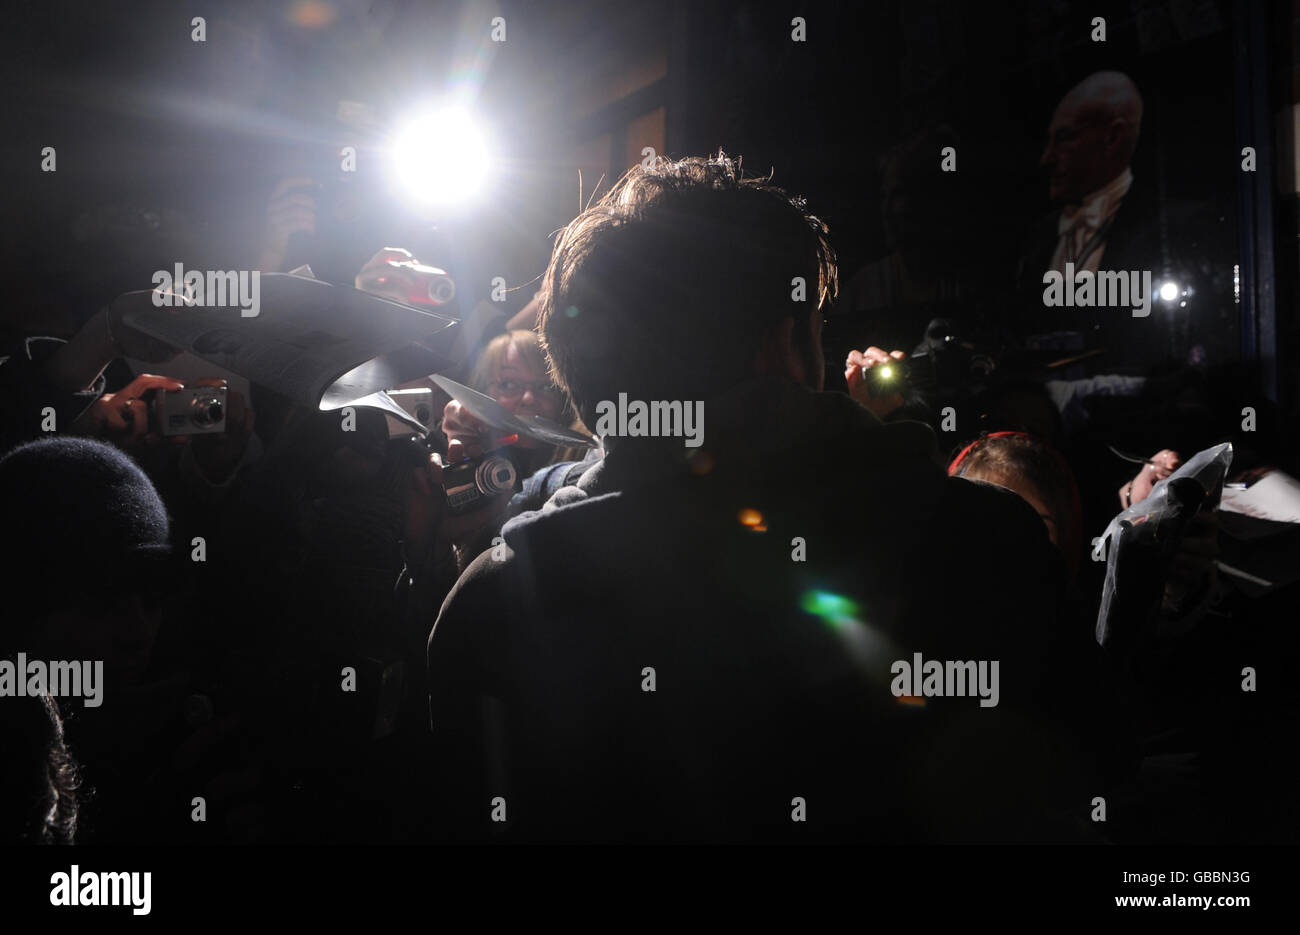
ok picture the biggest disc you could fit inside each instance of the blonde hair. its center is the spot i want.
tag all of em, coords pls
(488, 367)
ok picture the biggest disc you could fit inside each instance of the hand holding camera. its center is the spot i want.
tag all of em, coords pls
(197, 409)
(877, 380)
(477, 491)
(395, 274)
(123, 417)
(218, 445)
(459, 426)
(152, 409)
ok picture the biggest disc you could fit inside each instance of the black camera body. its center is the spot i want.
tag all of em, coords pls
(471, 482)
(943, 366)
(888, 378)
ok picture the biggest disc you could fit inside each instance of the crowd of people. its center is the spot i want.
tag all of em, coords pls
(643, 641)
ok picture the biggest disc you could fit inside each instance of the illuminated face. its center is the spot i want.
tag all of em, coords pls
(526, 390)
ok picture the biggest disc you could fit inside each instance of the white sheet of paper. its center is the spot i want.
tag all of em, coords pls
(1275, 496)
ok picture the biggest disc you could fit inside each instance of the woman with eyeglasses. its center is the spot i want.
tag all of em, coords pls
(513, 370)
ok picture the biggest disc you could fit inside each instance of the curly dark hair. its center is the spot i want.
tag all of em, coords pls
(41, 787)
(667, 287)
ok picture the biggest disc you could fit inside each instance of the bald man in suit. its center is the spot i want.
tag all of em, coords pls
(1106, 219)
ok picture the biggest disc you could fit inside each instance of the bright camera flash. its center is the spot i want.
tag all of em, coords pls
(441, 157)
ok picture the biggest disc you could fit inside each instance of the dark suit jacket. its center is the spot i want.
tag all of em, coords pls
(1178, 246)
(772, 674)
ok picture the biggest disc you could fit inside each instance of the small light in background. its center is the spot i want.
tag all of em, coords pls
(701, 461)
(312, 14)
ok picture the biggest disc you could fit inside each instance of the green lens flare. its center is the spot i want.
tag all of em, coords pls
(835, 610)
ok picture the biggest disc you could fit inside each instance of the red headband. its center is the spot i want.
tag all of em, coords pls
(961, 455)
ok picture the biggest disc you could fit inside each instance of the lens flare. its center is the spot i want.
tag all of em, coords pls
(832, 608)
(701, 462)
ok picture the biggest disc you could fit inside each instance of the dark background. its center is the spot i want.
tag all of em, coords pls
(168, 148)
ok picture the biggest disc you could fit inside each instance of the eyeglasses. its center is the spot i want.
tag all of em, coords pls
(514, 389)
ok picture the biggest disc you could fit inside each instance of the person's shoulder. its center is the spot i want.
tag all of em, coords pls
(472, 628)
(502, 583)
(992, 514)
(483, 582)
(985, 496)
(842, 425)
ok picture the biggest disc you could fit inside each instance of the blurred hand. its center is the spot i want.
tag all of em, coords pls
(1164, 463)
(122, 418)
(459, 426)
(396, 281)
(855, 368)
(289, 211)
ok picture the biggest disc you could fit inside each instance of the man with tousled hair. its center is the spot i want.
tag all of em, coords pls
(694, 644)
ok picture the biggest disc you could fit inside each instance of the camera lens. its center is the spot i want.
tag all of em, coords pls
(206, 410)
(496, 475)
(442, 290)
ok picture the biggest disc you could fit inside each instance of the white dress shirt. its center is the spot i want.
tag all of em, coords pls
(1082, 228)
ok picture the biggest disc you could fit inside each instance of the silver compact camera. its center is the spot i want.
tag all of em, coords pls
(197, 410)
(470, 482)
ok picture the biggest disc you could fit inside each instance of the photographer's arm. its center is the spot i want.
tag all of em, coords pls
(123, 417)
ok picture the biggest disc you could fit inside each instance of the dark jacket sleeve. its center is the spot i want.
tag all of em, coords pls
(465, 703)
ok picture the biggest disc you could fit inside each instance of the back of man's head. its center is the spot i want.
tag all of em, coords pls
(82, 523)
(669, 286)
